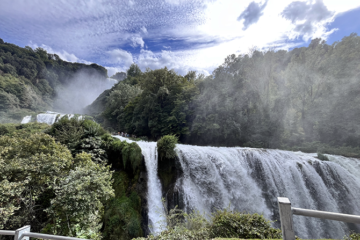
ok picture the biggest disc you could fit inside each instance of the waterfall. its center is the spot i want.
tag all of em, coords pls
(250, 180)
(156, 211)
(26, 119)
(350, 164)
(48, 117)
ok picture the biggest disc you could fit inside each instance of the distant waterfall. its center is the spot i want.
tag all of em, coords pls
(156, 212)
(250, 180)
(48, 117)
(26, 119)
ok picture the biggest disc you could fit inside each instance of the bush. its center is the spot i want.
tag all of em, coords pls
(23, 130)
(222, 224)
(353, 236)
(229, 224)
(166, 146)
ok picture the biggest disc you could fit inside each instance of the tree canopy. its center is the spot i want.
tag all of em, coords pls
(277, 99)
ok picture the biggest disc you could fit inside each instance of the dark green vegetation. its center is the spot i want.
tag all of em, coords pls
(58, 180)
(43, 185)
(151, 104)
(166, 146)
(221, 224)
(29, 79)
(122, 219)
(352, 236)
(306, 99)
(169, 169)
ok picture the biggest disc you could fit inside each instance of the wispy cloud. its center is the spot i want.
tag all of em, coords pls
(308, 18)
(64, 55)
(180, 34)
(252, 14)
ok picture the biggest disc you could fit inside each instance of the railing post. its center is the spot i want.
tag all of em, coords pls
(19, 232)
(286, 218)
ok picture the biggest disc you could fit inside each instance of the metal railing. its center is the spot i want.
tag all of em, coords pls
(286, 212)
(24, 234)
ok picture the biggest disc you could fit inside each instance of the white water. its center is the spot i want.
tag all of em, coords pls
(350, 164)
(48, 117)
(26, 119)
(250, 180)
(156, 211)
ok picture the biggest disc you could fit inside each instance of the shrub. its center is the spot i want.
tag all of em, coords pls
(93, 146)
(353, 236)
(229, 224)
(23, 130)
(221, 224)
(166, 146)
(67, 131)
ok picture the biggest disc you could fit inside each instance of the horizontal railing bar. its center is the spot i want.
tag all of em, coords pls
(48, 236)
(326, 215)
(7, 232)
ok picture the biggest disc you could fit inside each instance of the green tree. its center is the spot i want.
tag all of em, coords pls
(134, 71)
(163, 107)
(78, 207)
(119, 76)
(42, 184)
(29, 167)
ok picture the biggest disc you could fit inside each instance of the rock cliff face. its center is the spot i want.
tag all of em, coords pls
(169, 172)
(141, 189)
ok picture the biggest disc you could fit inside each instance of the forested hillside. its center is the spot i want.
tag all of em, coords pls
(306, 99)
(29, 79)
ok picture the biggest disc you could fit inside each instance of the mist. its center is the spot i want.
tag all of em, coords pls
(79, 91)
(305, 99)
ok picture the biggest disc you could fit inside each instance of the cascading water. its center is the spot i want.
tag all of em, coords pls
(156, 211)
(250, 180)
(26, 119)
(48, 117)
(350, 164)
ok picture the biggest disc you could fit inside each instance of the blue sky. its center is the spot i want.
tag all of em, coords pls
(180, 34)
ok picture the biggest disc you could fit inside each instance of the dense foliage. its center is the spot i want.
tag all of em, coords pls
(122, 218)
(43, 185)
(166, 147)
(305, 99)
(239, 225)
(221, 224)
(29, 79)
(58, 180)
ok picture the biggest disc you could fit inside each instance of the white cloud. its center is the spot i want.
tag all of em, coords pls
(113, 70)
(178, 61)
(135, 41)
(207, 30)
(119, 57)
(64, 55)
(143, 29)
